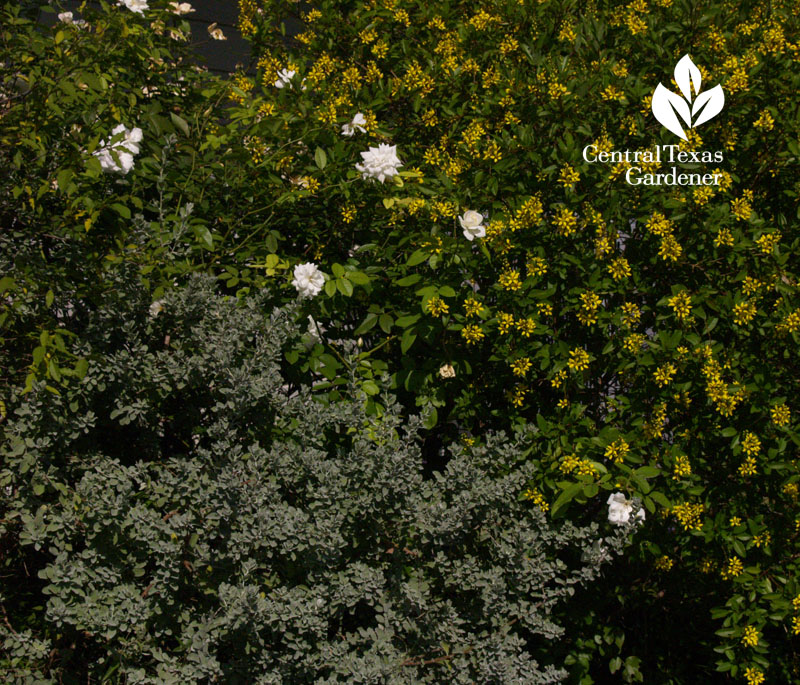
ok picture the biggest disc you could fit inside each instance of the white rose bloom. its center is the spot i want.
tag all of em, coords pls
(156, 308)
(65, 17)
(181, 7)
(472, 223)
(284, 77)
(124, 149)
(620, 508)
(216, 33)
(357, 124)
(308, 279)
(447, 371)
(138, 6)
(379, 162)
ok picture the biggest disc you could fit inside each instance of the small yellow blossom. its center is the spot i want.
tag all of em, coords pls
(750, 636)
(436, 306)
(617, 451)
(732, 568)
(578, 359)
(521, 366)
(472, 333)
(663, 375)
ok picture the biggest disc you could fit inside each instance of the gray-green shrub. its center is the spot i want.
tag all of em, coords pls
(195, 518)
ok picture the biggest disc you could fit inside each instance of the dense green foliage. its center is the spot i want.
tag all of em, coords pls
(643, 338)
(199, 521)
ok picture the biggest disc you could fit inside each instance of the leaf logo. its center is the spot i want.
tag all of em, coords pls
(702, 107)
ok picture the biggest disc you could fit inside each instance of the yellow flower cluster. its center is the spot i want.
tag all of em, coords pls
(663, 374)
(590, 302)
(516, 396)
(510, 280)
(472, 333)
(630, 314)
(682, 468)
(619, 269)
(768, 241)
(780, 414)
(690, 516)
(565, 221)
(472, 307)
(580, 467)
(634, 343)
(437, 306)
(754, 676)
(741, 209)
(744, 312)
(568, 177)
(750, 636)
(664, 563)
(765, 121)
(617, 451)
(681, 304)
(717, 391)
(751, 445)
(537, 498)
(578, 359)
(504, 322)
(521, 366)
(748, 467)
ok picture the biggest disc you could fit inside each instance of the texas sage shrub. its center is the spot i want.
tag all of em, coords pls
(187, 515)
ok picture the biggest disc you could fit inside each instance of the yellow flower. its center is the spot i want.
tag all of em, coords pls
(630, 314)
(663, 375)
(526, 327)
(732, 568)
(578, 359)
(670, 249)
(619, 269)
(724, 238)
(682, 305)
(521, 366)
(563, 403)
(795, 625)
(634, 342)
(510, 280)
(568, 177)
(617, 451)
(750, 443)
(348, 214)
(682, 468)
(559, 378)
(735, 521)
(565, 221)
(504, 322)
(472, 307)
(517, 396)
(748, 467)
(536, 266)
(690, 516)
(537, 498)
(780, 414)
(664, 563)
(472, 333)
(743, 313)
(750, 637)
(741, 208)
(765, 122)
(754, 676)
(768, 241)
(436, 306)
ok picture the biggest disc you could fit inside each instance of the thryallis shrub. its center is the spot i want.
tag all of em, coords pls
(191, 517)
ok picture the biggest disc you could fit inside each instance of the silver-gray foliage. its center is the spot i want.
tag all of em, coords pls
(198, 522)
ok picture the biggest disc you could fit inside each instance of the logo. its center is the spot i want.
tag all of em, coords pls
(694, 107)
